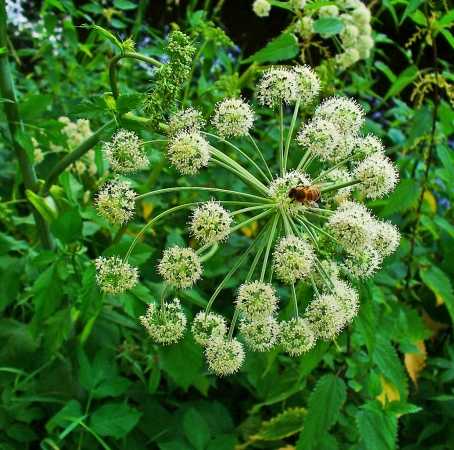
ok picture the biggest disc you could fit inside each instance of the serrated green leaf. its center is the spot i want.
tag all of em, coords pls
(324, 405)
(440, 284)
(281, 426)
(196, 429)
(281, 48)
(114, 419)
(403, 198)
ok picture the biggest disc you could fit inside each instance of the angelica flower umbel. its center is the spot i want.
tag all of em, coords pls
(189, 152)
(326, 316)
(165, 324)
(256, 299)
(114, 275)
(261, 8)
(188, 119)
(297, 336)
(210, 223)
(308, 84)
(125, 152)
(205, 325)
(116, 201)
(233, 117)
(278, 85)
(321, 138)
(260, 334)
(180, 267)
(224, 356)
(293, 259)
(386, 238)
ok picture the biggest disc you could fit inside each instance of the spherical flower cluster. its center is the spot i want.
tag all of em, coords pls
(180, 267)
(339, 175)
(260, 334)
(125, 152)
(166, 324)
(233, 117)
(116, 201)
(261, 8)
(278, 85)
(188, 119)
(205, 325)
(328, 11)
(346, 59)
(386, 238)
(368, 145)
(297, 336)
(348, 298)
(293, 259)
(210, 223)
(308, 84)
(363, 264)
(298, 4)
(346, 114)
(115, 276)
(224, 356)
(279, 190)
(256, 299)
(320, 137)
(378, 176)
(189, 152)
(352, 226)
(326, 316)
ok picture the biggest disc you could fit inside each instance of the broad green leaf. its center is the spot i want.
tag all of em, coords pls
(281, 48)
(196, 429)
(449, 37)
(412, 6)
(112, 387)
(447, 19)
(281, 426)
(61, 419)
(114, 419)
(280, 4)
(378, 430)
(440, 284)
(403, 198)
(68, 226)
(324, 405)
(386, 70)
(447, 159)
(403, 80)
(45, 206)
(328, 26)
(124, 5)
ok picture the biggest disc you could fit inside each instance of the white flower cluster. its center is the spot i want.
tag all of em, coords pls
(313, 228)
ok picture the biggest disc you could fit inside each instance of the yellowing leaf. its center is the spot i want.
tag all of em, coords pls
(433, 325)
(251, 230)
(415, 362)
(439, 300)
(430, 199)
(147, 209)
(389, 392)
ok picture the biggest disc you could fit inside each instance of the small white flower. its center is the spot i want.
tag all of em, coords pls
(233, 117)
(206, 325)
(326, 316)
(364, 45)
(343, 112)
(261, 8)
(260, 334)
(116, 201)
(180, 267)
(188, 119)
(166, 325)
(328, 11)
(256, 299)
(189, 152)
(278, 85)
(115, 276)
(210, 223)
(349, 35)
(305, 26)
(349, 57)
(363, 264)
(224, 356)
(378, 174)
(125, 152)
(386, 238)
(367, 145)
(297, 336)
(353, 226)
(293, 259)
(320, 137)
(348, 299)
(308, 84)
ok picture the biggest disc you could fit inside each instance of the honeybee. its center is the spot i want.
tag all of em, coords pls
(305, 194)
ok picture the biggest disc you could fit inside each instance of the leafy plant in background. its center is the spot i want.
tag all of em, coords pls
(76, 370)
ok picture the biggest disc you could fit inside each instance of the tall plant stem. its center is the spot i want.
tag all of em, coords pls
(304, 159)
(295, 301)
(201, 188)
(290, 132)
(77, 153)
(15, 125)
(113, 68)
(261, 156)
(268, 246)
(338, 186)
(281, 138)
(428, 161)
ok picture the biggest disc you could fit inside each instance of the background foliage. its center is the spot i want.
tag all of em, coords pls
(77, 371)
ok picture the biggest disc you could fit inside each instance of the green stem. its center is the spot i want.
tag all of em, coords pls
(281, 139)
(241, 153)
(15, 125)
(113, 68)
(268, 246)
(304, 159)
(206, 256)
(153, 221)
(251, 208)
(201, 188)
(290, 133)
(326, 172)
(233, 323)
(261, 156)
(337, 186)
(295, 301)
(76, 154)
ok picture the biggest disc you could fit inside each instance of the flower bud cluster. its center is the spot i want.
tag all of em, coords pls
(115, 276)
(233, 117)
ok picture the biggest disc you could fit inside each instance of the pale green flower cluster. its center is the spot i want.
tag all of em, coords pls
(313, 230)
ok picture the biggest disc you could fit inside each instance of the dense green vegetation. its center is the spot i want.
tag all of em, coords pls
(77, 368)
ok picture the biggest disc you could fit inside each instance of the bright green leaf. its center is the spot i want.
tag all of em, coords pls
(281, 48)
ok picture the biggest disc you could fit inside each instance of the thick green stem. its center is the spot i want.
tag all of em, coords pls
(295, 301)
(233, 323)
(15, 125)
(268, 246)
(113, 68)
(281, 139)
(338, 186)
(290, 133)
(77, 153)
